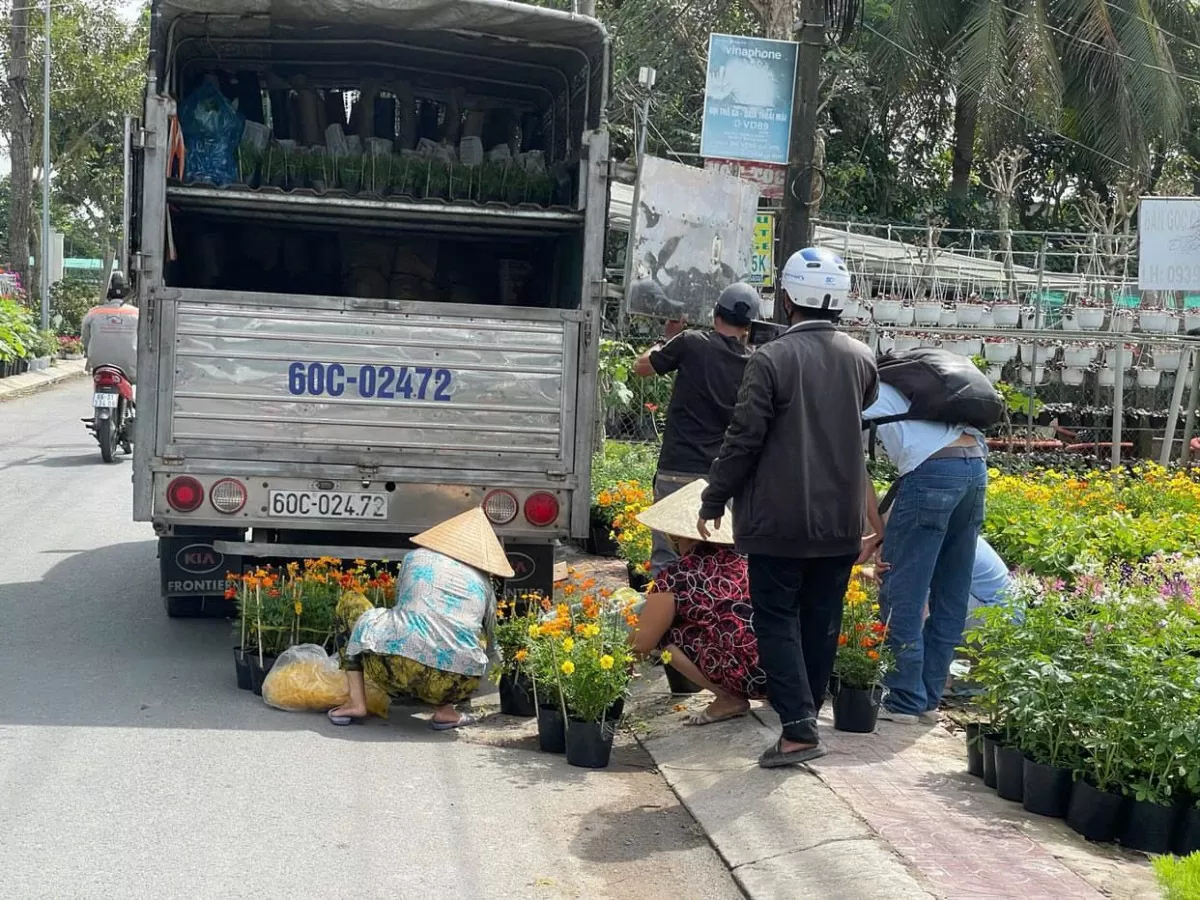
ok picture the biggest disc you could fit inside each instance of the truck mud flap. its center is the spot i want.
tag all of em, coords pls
(193, 572)
(534, 568)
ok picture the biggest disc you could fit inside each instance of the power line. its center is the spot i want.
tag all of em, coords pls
(1069, 140)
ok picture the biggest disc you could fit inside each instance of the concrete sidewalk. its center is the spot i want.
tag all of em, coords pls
(31, 382)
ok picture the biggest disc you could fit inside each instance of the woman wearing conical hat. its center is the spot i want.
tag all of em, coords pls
(699, 609)
(436, 642)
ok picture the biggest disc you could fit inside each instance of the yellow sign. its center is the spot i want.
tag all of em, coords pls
(762, 264)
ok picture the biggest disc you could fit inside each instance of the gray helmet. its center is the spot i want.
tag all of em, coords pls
(739, 304)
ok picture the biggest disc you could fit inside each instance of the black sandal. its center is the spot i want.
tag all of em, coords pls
(776, 758)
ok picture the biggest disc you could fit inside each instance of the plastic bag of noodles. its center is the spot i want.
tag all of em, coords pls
(306, 678)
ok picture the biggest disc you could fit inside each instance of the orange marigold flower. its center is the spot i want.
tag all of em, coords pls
(842, 640)
(230, 593)
(872, 654)
(867, 642)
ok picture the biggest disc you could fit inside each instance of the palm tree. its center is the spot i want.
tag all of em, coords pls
(1102, 73)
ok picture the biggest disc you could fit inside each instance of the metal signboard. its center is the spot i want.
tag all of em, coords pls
(762, 264)
(1169, 243)
(692, 235)
(770, 179)
(748, 99)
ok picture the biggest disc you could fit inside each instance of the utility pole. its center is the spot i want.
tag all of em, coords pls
(45, 257)
(797, 199)
(17, 97)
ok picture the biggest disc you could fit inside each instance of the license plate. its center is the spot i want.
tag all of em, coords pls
(327, 505)
(104, 401)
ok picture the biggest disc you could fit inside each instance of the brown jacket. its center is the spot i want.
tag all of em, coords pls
(792, 460)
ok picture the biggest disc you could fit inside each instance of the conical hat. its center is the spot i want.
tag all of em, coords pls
(677, 514)
(469, 538)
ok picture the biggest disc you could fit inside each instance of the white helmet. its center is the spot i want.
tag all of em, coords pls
(816, 278)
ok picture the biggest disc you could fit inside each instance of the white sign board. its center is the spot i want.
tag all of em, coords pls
(1169, 244)
(692, 235)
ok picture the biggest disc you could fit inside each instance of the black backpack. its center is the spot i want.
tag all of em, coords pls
(942, 387)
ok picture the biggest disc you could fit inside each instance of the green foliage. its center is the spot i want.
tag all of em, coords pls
(1179, 877)
(18, 333)
(621, 461)
(70, 300)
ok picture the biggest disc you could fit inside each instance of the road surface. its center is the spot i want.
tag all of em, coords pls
(131, 766)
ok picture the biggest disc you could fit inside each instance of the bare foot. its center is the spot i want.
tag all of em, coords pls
(350, 711)
(787, 746)
(444, 715)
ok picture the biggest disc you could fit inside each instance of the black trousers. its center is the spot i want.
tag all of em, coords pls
(797, 617)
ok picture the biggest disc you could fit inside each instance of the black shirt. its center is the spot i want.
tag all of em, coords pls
(710, 368)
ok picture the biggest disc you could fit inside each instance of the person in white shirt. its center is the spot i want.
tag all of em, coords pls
(929, 551)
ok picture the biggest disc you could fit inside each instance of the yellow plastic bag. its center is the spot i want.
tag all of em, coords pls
(306, 678)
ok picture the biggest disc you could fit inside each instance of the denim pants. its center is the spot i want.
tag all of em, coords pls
(930, 545)
(797, 616)
(662, 554)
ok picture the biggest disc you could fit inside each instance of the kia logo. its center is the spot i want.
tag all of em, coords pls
(199, 559)
(523, 566)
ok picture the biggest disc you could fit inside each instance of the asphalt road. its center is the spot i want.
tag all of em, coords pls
(131, 766)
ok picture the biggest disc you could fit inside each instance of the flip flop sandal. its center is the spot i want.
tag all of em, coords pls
(340, 720)
(776, 758)
(463, 721)
(703, 718)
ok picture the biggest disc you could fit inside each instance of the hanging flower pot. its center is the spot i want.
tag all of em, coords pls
(991, 743)
(906, 316)
(1033, 374)
(968, 347)
(259, 672)
(1092, 813)
(552, 730)
(1028, 318)
(1187, 832)
(1010, 773)
(516, 695)
(589, 744)
(1148, 378)
(975, 748)
(928, 312)
(947, 318)
(887, 343)
(1046, 789)
(1106, 377)
(1167, 360)
(970, 314)
(929, 340)
(1157, 321)
(988, 320)
(1000, 351)
(1148, 826)
(887, 312)
(1073, 376)
(851, 310)
(1079, 355)
(1122, 321)
(1191, 321)
(907, 342)
(241, 664)
(1006, 315)
(1090, 318)
(856, 709)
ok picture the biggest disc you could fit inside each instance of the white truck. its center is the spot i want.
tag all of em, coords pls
(332, 359)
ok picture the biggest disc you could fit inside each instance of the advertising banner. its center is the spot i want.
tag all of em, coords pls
(748, 99)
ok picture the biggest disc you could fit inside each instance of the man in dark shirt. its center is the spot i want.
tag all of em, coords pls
(792, 463)
(709, 367)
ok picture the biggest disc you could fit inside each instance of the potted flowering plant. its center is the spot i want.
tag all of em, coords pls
(634, 541)
(863, 658)
(514, 616)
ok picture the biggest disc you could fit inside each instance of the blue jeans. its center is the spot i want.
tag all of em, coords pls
(930, 544)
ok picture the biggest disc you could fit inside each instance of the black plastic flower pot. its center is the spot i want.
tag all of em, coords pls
(678, 683)
(1147, 826)
(241, 664)
(552, 730)
(1046, 789)
(638, 580)
(991, 742)
(602, 541)
(516, 696)
(1010, 773)
(1094, 814)
(975, 748)
(856, 709)
(1187, 832)
(259, 672)
(589, 744)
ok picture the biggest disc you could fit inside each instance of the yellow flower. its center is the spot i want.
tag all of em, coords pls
(606, 662)
(521, 655)
(592, 630)
(666, 657)
(568, 668)
(534, 631)
(569, 644)
(299, 607)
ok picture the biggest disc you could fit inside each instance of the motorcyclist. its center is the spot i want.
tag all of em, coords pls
(109, 331)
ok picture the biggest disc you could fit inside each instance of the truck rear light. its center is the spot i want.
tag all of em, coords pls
(227, 496)
(185, 494)
(500, 507)
(541, 509)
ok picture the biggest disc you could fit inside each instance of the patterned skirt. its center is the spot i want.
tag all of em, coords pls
(398, 676)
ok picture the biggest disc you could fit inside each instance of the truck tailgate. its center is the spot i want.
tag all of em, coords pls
(340, 382)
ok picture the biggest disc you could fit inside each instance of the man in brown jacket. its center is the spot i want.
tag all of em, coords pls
(792, 463)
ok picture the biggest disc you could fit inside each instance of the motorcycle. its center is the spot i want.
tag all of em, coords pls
(112, 401)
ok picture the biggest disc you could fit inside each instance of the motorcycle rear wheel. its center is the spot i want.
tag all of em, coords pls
(106, 434)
